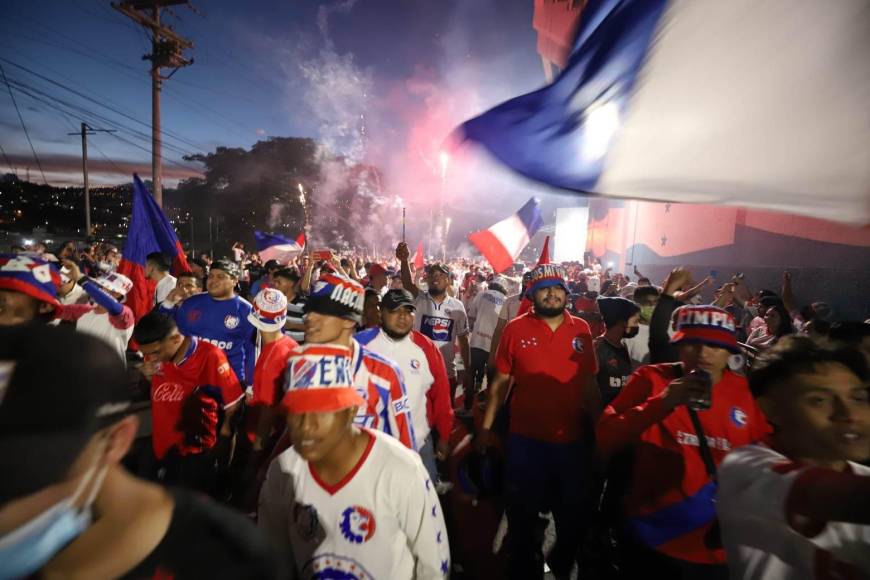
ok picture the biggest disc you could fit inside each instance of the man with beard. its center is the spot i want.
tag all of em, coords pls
(621, 317)
(440, 317)
(550, 355)
(423, 369)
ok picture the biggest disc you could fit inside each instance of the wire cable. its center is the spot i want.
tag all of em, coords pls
(23, 126)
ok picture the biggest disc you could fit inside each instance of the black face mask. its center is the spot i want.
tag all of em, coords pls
(631, 332)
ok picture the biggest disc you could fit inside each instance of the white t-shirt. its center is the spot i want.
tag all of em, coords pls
(412, 361)
(638, 346)
(485, 311)
(443, 323)
(383, 521)
(113, 333)
(163, 288)
(754, 486)
(510, 307)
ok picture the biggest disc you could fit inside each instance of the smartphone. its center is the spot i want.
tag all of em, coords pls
(705, 400)
(325, 254)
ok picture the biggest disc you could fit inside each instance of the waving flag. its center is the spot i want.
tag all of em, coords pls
(300, 240)
(278, 248)
(757, 104)
(526, 302)
(502, 243)
(149, 232)
(419, 261)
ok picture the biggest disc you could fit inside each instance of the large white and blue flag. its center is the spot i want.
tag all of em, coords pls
(757, 103)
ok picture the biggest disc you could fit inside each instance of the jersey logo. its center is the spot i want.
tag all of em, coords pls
(738, 416)
(577, 344)
(357, 524)
(401, 406)
(305, 518)
(194, 315)
(415, 364)
(335, 567)
(437, 328)
(168, 393)
(224, 368)
(231, 321)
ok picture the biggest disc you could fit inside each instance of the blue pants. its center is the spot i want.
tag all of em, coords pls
(545, 477)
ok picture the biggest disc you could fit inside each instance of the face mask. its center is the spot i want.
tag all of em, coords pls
(27, 549)
(646, 313)
(631, 332)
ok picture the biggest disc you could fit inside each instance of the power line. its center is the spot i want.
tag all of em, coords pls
(23, 126)
(8, 162)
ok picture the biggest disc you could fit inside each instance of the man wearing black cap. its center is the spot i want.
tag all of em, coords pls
(422, 368)
(220, 317)
(621, 317)
(71, 510)
(440, 317)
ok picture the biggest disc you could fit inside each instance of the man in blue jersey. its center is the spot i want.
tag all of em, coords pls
(220, 317)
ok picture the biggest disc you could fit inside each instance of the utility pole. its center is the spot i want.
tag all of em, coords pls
(84, 133)
(166, 47)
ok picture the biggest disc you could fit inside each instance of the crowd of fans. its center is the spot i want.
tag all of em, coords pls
(300, 420)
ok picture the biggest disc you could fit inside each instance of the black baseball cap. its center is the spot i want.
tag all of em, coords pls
(437, 267)
(58, 388)
(231, 268)
(396, 298)
(271, 265)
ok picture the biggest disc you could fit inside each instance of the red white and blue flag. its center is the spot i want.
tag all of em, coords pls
(278, 248)
(149, 232)
(756, 104)
(501, 243)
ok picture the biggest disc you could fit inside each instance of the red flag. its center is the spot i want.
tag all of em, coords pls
(545, 253)
(418, 258)
(502, 243)
(300, 240)
(149, 232)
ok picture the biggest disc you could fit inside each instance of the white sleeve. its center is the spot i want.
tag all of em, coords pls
(420, 516)
(164, 291)
(755, 480)
(461, 320)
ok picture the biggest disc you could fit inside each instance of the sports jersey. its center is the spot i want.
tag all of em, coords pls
(224, 323)
(114, 326)
(485, 309)
(510, 307)
(614, 367)
(670, 501)
(763, 538)
(382, 521)
(295, 317)
(204, 373)
(551, 370)
(443, 323)
(425, 377)
(269, 371)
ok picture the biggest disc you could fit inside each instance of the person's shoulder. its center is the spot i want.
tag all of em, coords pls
(285, 346)
(207, 536)
(366, 336)
(377, 362)
(422, 341)
(393, 454)
(581, 324)
(746, 460)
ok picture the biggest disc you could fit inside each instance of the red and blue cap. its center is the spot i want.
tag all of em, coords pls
(545, 276)
(319, 379)
(706, 325)
(269, 310)
(336, 295)
(30, 275)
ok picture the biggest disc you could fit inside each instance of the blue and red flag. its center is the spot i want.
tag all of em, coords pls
(501, 243)
(149, 232)
(278, 248)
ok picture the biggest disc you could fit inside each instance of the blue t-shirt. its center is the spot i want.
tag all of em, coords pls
(224, 323)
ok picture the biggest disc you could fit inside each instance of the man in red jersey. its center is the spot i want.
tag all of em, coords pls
(670, 508)
(550, 355)
(193, 388)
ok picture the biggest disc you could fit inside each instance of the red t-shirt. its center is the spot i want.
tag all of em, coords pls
(204, 373)
(669, 477)
(551, 370)
(269, 371)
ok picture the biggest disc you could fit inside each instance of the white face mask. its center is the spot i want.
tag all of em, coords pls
(26, 549)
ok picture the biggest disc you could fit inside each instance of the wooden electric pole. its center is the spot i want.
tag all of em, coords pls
(84, 133)
(166, 48)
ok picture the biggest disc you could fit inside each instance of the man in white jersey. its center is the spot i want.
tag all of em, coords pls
(440, 317)
(800, 506)
(484, 314)
(423, 370)
(345, 501)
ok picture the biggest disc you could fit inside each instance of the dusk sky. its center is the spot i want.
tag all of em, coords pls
(412, 68)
